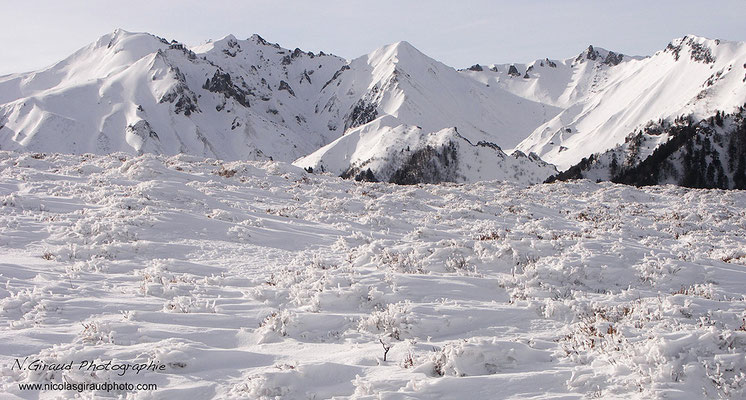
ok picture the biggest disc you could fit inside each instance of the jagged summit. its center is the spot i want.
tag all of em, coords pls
(601, 55)
(699, 49)
(260, 40)
(400, 54)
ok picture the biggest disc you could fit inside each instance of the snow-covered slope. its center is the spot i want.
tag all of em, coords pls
(256, 280)
(387, 150)
(710, 153)
(604, 102)
(400, 81)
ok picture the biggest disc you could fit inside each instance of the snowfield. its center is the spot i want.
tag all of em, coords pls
(259, 280)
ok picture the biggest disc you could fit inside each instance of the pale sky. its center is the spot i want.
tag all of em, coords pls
(35, 34)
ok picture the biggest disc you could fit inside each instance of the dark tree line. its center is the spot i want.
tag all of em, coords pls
(706, 153)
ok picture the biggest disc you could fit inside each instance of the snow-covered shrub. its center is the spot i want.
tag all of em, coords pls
(407, 263)
(259, 387)
(475, 357)
(274, 326)
(188, 304)
(394, 321)
(459, 264)
(157, 280)
(96, 332)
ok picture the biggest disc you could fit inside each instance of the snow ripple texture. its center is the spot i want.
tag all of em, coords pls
(258, 280)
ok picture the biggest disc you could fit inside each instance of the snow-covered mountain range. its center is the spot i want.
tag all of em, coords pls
(394, 114)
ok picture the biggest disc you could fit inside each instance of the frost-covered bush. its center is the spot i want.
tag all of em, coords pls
(96, 332)
(274, 326)
(407, 263)
(481, 357)
(187, 304)
(393, 321)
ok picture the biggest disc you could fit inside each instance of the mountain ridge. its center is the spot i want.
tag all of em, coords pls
(237, 99)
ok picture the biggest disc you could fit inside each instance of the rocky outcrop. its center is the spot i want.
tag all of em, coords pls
(286, 87)
(222, 83)
(362, 113)
(184, 100)
(697, 51)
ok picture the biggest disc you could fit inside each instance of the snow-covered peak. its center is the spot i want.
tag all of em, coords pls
(690, 39)
(109, 55)
(395, 53)
(400, 58)
(695, 48)
(124, 46)
(387, 150)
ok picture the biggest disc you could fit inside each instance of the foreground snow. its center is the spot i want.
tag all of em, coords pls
(257, 280)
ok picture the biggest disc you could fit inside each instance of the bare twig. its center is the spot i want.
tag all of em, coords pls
(386, 348)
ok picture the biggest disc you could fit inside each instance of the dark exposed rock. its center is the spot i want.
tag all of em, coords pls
(550, 63)
(697, 52)
(221, 82)
(180, 94)
(285, 86)
(260, 40)
(590, 54)
(361, 113)
(613, 58)
(142, 129)
(674, 50)
(475, 67)
(513, 71)
(178, 46)
(483, 143)
(336, 75)
(701, 53)
(232, 49)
